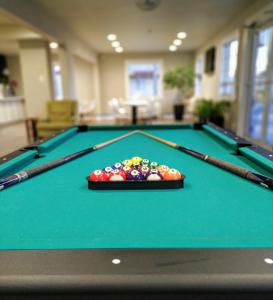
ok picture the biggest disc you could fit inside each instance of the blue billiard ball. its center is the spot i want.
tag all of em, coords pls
(118, 166)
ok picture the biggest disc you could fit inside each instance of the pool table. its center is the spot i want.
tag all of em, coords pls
(213, 237)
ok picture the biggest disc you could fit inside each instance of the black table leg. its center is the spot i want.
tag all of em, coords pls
(134, 114)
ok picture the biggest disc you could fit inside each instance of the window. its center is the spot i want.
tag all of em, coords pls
(228, 68)
(144, 79)
(260, 115)
(57, 82)
(198, 76)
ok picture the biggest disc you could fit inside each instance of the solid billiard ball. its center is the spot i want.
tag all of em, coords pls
(154, 175)
(172, 174)
(135, 175)
(153, 164)
(136, 160)
(144, 170)
(127, 162)
(145, 162)
(118, 166)
(162, 169)
(99, 175)
(117, 175)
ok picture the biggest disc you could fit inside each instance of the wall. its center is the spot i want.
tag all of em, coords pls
(84, 76)
(237, 27)
(13, 62)
(36, 74)
(112, 73)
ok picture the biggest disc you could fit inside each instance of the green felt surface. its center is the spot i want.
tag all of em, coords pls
(221, 136)
(215, 209)
(265, 162)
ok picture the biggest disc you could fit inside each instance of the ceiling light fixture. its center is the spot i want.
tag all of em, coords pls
(119, 49)
(115, 44)
(177, 42)
(182, 35)
(111, 37)
(172, 48)
(53, 45)
(147, 5)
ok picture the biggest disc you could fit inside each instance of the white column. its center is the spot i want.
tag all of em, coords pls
(36, 75)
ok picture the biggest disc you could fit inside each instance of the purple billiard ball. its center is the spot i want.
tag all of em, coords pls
(144, 171)
(135, 175)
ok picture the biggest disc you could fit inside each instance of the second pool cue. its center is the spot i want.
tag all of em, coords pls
(259, 179)
(27, 174)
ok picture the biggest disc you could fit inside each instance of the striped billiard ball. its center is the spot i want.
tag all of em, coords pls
(153, 165)
(117, 175)
(154, 175)
(144, 170)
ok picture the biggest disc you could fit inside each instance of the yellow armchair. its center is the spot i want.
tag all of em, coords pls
(60, 115)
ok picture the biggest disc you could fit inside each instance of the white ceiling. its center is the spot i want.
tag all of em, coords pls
(10, 33)
(140, 30)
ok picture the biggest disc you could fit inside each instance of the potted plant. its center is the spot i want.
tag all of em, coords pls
(182, 79)
(209, 110)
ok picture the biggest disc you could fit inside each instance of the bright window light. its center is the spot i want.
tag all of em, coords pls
(111, 37)
(53, 45)
(182, 35)
(115, 44)
(172, 48)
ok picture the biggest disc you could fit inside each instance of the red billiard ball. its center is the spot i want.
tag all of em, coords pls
(117, 175)
(172, 174)
(98, 175)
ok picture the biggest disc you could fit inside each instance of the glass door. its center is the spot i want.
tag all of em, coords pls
(260, 111)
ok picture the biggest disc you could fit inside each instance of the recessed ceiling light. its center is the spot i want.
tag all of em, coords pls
(111, 37)
(172, 48)
(53, 45)
(182, 35)
(119, 49)
(115, 44)
(177, 42)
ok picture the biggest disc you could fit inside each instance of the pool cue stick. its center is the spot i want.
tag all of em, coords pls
(259, 179)
(27, 174)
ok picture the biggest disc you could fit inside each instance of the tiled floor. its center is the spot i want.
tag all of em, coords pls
(12, 137)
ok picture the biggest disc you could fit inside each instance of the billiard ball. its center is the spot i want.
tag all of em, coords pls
(162, 169)
(153, 164)
(118, 166)
(136, 160)
(127, 162)
(136, 166)
(172, 174)
(99, 175)
(117, 175)
(135, 175)
(127, 169)
(154, 175)
(145, 162)
(144, 170)
(108, 169)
